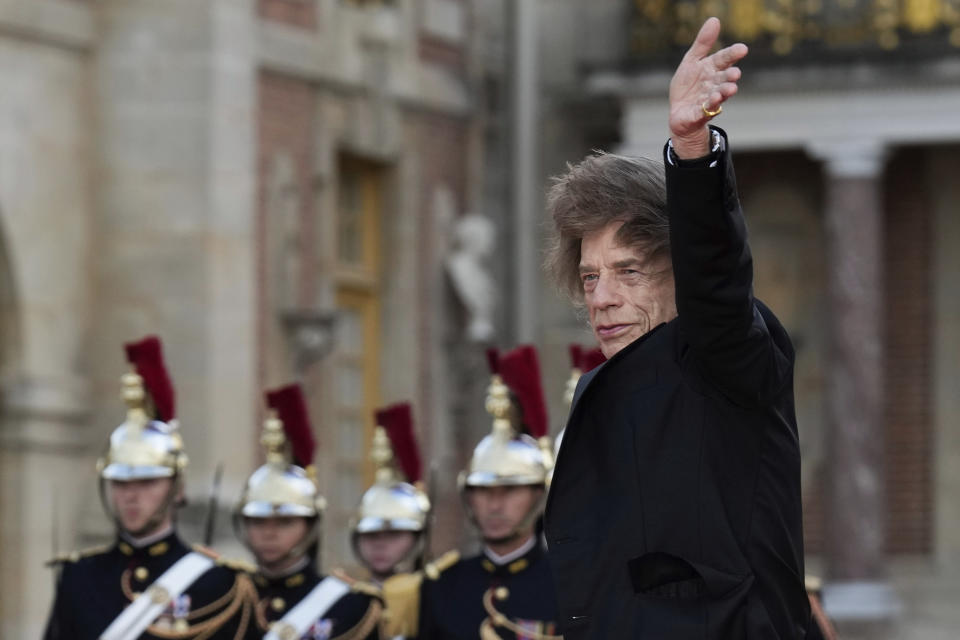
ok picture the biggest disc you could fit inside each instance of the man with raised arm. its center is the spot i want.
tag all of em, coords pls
(675, 509)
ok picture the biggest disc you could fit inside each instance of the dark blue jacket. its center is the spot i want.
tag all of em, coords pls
(93, 590)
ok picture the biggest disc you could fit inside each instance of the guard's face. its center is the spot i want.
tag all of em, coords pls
(272, 539)
(138, 502)
(381, 551)
(499, 511)
(627, 292)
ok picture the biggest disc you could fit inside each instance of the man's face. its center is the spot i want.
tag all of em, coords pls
(627, 292)
(499, 511)
(381, 551)
(272, 539)
(138, 501)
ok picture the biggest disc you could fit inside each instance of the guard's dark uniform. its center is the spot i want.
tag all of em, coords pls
(95, 588)
(355, 615)
(452, 606)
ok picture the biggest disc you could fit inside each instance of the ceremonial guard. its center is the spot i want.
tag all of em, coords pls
(148, 583)
(389, 533)
(278, 518)
(506, 591)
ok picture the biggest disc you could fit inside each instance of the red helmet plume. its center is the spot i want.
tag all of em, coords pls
(146, 356)
(397, 420)
(291, 408)
(520, 370)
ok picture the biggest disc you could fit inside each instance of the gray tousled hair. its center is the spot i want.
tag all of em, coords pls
(600, 189)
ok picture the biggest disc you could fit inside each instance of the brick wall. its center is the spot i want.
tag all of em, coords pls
(297, 13)
(909, 429)
(285, 123)
(441, 52)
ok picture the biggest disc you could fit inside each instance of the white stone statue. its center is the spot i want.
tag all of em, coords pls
(473, 242)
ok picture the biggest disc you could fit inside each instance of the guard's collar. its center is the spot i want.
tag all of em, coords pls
(515, 561)
(156, 544)
(292, 576)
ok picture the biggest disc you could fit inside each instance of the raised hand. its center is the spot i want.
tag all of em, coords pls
(700, 86)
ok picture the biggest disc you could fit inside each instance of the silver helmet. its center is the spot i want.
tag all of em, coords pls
(147, 445)
(518, 450)
(283, 487)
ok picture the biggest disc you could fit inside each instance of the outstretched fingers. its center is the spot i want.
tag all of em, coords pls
(727, 75)
(728, 56)
(706, 38)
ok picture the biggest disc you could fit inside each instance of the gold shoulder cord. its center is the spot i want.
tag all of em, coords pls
(241, 598)
(74, 556)
(401, 595)
(497, 619)
(441, 564)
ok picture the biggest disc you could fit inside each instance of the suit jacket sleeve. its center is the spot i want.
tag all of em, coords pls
(737, 344)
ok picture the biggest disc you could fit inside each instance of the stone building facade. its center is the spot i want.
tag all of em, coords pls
(269, 185)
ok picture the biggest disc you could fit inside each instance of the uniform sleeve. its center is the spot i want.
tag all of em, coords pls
(426, 627)
(737, 347)
(59, 626)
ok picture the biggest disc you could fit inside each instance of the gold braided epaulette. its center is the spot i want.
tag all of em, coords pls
(221, 561)
(235, 564)
(441, 564)
(366, 588)
(74, 556)
(358, 586)
(401, 593)
(205, 550)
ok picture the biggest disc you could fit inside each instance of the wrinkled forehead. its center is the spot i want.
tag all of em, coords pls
(606, 246)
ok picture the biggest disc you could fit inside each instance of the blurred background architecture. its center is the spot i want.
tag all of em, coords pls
(294, 189)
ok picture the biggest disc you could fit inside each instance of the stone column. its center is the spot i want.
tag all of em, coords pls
(855, 492)
(526, 205)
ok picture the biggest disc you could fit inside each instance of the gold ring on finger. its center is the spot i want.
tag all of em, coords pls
(709, 113)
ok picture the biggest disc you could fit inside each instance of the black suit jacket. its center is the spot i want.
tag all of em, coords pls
(675, 509)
